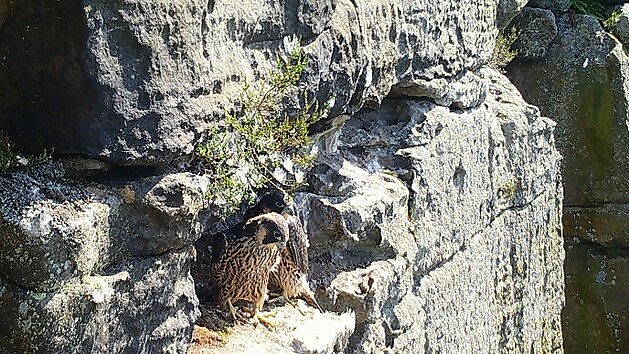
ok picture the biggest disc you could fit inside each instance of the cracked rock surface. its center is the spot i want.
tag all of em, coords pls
(142, 80)
(583, 84)
(446, 233)
(93, 267)
(433, 209)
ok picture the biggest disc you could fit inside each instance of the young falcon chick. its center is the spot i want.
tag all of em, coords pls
(290, 277)
(291, 274)
(241, 269)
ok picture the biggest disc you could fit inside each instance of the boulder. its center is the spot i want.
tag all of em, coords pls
(557, 6)
(535, 29)
(144, 304)
(507, 10)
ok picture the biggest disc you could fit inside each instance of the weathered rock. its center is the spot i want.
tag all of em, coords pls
(556, 6)
(435, 221)
(437, 241)
(144, 305)
(596, 317)
(582, 84)
(605, 225)
(138, 82)
(535, 30)
(97, 267)
(308, 332)
(52, 231)
(507, 10)
(621, 30)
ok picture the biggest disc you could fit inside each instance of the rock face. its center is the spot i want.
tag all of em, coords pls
(428, 223)
(535, 29)
(582, 83)
(621, 30)
(553, 5)
(143, 79)
(83, 265)
(595, 316)
(146, 303)
(434, 207)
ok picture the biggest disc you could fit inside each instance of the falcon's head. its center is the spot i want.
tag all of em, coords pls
(270, 229)
(274, 201)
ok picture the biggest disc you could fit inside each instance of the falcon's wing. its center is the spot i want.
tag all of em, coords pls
(297, 244)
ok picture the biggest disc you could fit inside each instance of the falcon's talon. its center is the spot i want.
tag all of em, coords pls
(291, 302)
(276, 299)
(238, 318)
(259, 318)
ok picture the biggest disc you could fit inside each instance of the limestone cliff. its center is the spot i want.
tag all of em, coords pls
(433, 207)
(580, 78)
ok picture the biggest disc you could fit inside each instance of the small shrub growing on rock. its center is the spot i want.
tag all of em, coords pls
(7, 156)
(9, 159)
(507, 190)
(593, 8)
(612, 20)
(503, 54)
(262, 145)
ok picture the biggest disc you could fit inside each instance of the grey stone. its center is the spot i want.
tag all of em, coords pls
(605, 225)
(144, 305)
(444, 239)
(302, 330)
(621, 30)
(52, 230)
(140, 82)
(596, 316)
(507, 10)
(535, 30)
(557, 6)
(582, 85)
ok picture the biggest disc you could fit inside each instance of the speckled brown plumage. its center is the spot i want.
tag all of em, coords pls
(241, 268)
(290, 277)
(291, 274)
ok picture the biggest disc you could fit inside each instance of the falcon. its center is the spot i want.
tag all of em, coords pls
(290, 277)
(241, 267)
(291, 274)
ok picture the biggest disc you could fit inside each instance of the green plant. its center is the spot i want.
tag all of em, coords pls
(507, 190)
(258, 145)
(9, 159)
(593, 8)
(503, 54)
(610, 22)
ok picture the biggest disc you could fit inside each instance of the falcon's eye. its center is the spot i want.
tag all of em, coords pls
(277, 235)
(279, 204)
